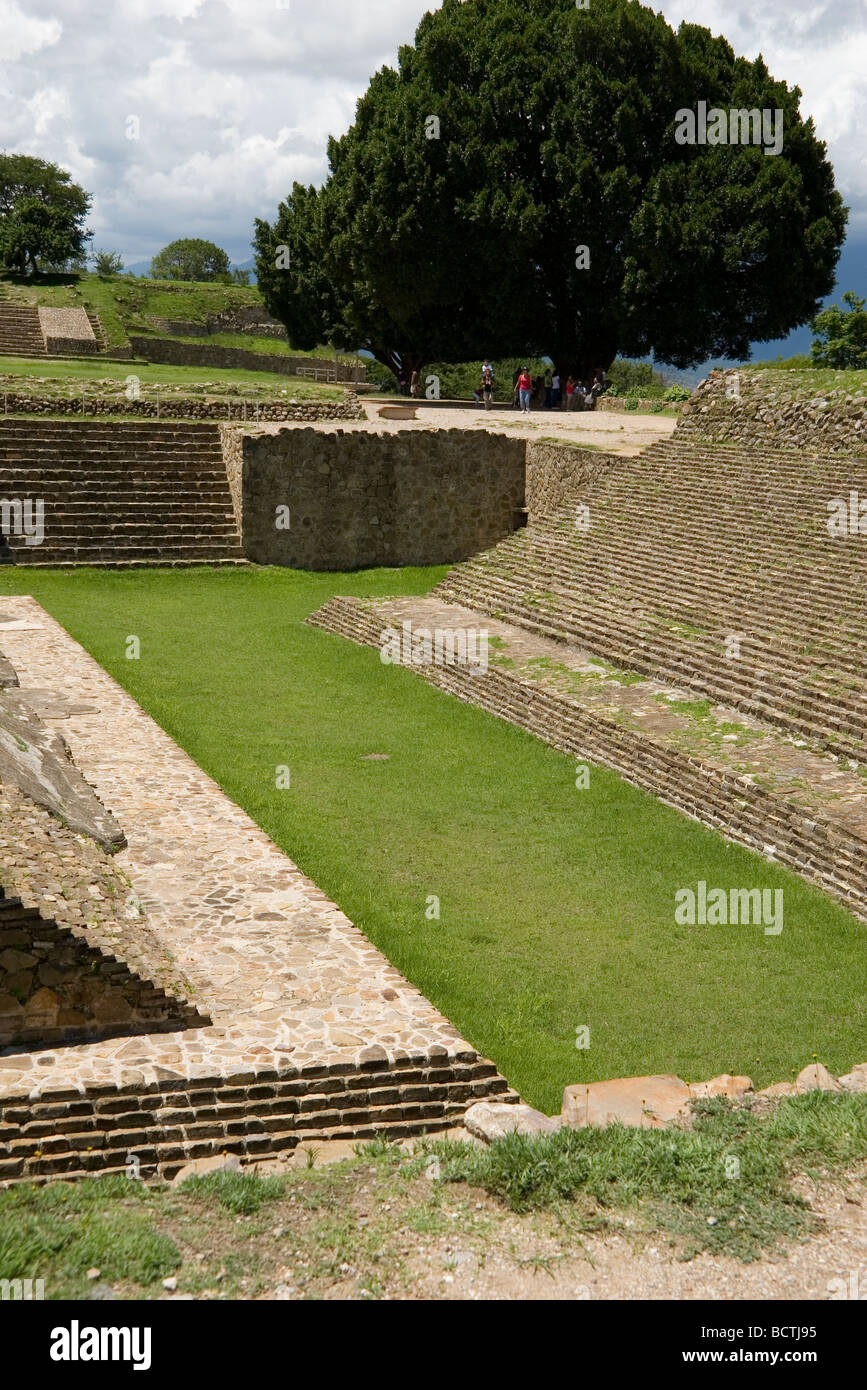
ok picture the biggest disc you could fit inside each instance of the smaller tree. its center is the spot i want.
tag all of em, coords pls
(190, 259)
(240, 277)
(841, 334)
(42, 214)
(107, 264)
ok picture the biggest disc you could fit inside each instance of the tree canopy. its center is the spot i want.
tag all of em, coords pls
(841, 334)
(42, 214)
(517, 186)
(190, 258)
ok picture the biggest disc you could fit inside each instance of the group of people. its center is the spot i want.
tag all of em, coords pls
(543, 392)
(547, 392)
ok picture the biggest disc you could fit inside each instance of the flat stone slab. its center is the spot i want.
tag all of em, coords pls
(856, 1079)
(648, 1102)
(37, 760)
(490, 1120)
(397, 412)
(815, 1077)
(725, 1085)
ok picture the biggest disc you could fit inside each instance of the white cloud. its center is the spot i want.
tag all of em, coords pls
(23, 33)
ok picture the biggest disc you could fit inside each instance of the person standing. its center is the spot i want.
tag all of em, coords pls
(570, 393)
(488, 384)
(549, 389)
(413, 384)
(555, 385)
(525, 390)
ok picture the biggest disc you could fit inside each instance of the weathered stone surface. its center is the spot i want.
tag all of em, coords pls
(490, 1120)
(772, 406)
(37, 760)
(646, 1101)
(856, 1079)
(242, 359)
(315, 1155)
(780, 1088)
(8, 674)
(724, 1085)
(200, 1167)
(360, 497)
(815, 1077)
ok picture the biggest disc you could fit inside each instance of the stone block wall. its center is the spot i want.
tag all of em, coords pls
(243, 319)
(56, 988)
(239, 359)
(558, 474)
(172, 407)
(355, 498)
(724, 800)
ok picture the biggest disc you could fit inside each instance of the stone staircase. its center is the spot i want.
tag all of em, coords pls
(20, 333)
(119, 494)
(98, 331)
(685, 548)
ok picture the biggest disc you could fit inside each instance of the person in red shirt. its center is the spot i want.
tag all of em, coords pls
(525, 388)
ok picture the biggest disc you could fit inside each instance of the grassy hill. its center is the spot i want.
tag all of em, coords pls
(128, 305)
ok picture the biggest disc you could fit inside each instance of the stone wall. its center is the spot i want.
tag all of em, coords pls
(171, 407)
(355, 498)
(559, 474)
(232, 443)
(246, 318)
(767, 408)
(647, 405)
(180, 354)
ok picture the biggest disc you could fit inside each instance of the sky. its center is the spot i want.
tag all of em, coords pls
(193, 117)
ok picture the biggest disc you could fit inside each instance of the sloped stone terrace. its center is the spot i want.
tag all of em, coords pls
(788, 799)
(687, 546)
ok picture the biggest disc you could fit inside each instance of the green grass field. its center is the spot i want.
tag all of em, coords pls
(557, 904)
(39, 378)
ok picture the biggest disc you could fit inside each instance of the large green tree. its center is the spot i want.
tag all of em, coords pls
(42, 214)
(513, 133)
(191, 258)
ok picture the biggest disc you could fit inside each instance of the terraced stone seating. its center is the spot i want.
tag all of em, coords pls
(118, 494)
(710, 567)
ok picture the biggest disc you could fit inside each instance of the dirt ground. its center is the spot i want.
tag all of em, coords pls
(450, 1242)
(616, 432)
